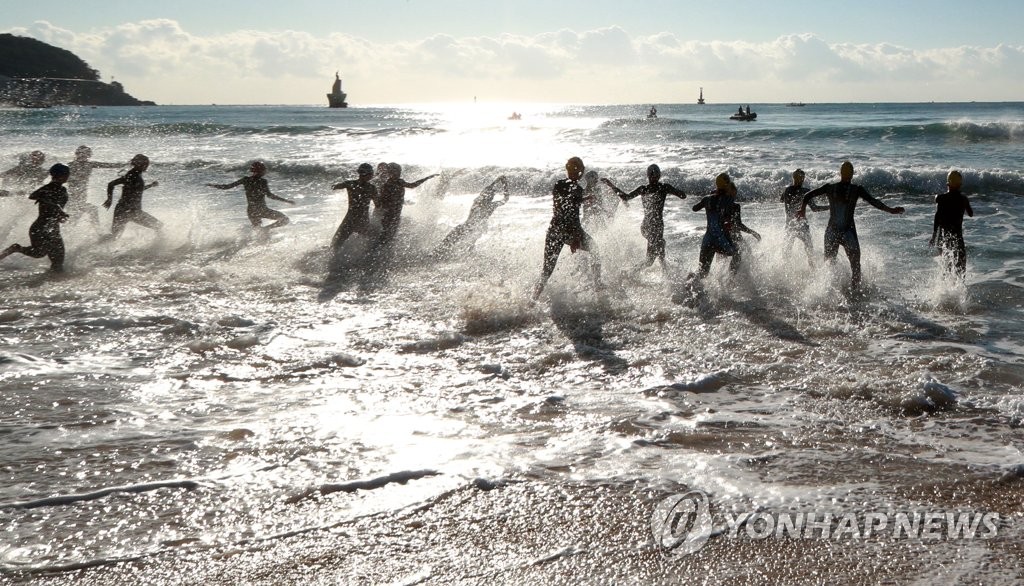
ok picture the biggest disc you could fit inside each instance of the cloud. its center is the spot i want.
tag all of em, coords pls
(159, 60)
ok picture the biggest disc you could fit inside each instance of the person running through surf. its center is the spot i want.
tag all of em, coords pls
(565, 228)
(361, 194)
(257, 190)
(653, 196)
(948, 227)
(462, 238)
(841, 230)
(129, 207)
(797, 228)
(78, 185)
(717, 207)
(44, 233)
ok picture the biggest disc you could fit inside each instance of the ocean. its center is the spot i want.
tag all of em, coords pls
(209, 390)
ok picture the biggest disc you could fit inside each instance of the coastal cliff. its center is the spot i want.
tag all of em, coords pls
(35, 74)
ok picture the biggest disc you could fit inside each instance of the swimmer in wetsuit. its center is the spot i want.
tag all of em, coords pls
(44, 234)
(796, 228)
(734, 226)
(26, 175)
(78, 185)
(129, 207)
(361, 193)
(841, 229)
(565, 227)
(948, 228)
(256, 193)
(390, 201)
(653, 196)
(718, 206)
(467, 233)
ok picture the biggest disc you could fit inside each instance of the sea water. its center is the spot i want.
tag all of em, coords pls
(193, 390)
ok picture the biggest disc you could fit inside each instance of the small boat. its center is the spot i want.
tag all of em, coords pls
(700, 100)
(744, 116)
(653, 113)
(336, 99)
(796, 104)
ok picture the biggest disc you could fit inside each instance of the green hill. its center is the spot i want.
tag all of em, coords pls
(24, 57)
(35, 74)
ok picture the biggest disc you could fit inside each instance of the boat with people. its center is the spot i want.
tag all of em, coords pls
(336, 99)
(744, 115)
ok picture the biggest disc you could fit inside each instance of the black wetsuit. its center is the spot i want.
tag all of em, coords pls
(565, 227)
(841, 229)
(797, 227)
(389, 202)
(718, 208)
(466, 234)
(257, 190)
(129, 207)
(357, 218)
(948, 228)
(44, 234)
(652, 228)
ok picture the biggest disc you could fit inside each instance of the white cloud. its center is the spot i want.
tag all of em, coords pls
(158, 60)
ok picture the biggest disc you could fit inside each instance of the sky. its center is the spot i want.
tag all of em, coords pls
(572, 51)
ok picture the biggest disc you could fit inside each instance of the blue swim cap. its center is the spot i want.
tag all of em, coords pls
(59, 170)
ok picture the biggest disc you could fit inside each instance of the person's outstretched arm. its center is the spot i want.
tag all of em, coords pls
(879, 204)
(418, 182)
(226, 185)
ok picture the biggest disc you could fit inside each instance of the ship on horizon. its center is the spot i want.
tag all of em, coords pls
(700, 100)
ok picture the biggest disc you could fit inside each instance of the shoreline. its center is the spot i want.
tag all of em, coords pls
(537, 532)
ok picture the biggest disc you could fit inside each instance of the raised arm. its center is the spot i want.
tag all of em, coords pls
(418, 182)
(700, 205)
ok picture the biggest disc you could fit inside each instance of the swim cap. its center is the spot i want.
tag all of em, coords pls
(60, 170)
(590, 176)
(722, 181)
(258, 167)
(395, 169)
(139, 159)
(846, 168)
(36, 157)
(575, 163)
(653, 169)
(83, 150)
(365, 169)
(954, 179)
(798, 173)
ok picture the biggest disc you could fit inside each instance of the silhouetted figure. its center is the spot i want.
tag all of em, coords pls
(718, 206)
(841, 229)
(78, 185)
(462, 238)
(44, 234)
(129, 207)
(257, 190)
(653, 196)
(26, 175)
(796, 227)
(948, 228)
(361, 193)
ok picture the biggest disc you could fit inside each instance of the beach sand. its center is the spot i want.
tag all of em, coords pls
(536, 532)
